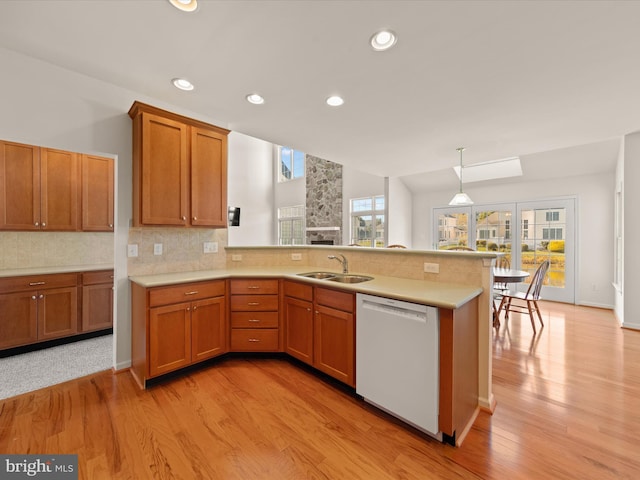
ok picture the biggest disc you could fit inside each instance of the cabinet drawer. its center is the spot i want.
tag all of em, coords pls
(253, 303)
(38, 282)
(254, 320)
(298, 290)
(185, 292)
(254, 340)
(94, 278)
(335, 298)
(254, 286)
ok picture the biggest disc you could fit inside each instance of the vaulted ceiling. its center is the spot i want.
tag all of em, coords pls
(502, 78)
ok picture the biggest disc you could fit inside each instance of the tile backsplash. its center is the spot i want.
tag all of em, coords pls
(54, 249)
(182, 250)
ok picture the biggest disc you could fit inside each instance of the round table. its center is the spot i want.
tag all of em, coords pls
(504, 276)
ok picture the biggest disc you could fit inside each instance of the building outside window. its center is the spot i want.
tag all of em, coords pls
(291, 225)
(367, 221)
(290, 163)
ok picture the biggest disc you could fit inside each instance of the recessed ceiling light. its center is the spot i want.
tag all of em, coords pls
(255, 98)
(185, 5)
(335, 101)
(182, 84)
(383, 40)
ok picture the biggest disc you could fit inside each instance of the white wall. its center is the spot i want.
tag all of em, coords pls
(356, 184)
(631, 281)
(49, 106)
(619, 186)
(595, 201)
(251, 187)
(399, 212)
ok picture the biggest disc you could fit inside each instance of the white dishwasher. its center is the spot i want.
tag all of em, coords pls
(397, 359)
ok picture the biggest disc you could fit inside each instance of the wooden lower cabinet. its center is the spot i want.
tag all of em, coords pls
(320, 329)
(97, 300)
(176, 326)
(38, 308)
(334, 334)
(255, 325)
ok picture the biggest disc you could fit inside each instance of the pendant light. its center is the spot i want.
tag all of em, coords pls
(460, 199)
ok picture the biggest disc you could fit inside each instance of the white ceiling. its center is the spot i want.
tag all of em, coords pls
(502, 78)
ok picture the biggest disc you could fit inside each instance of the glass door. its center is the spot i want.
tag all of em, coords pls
(452, 227)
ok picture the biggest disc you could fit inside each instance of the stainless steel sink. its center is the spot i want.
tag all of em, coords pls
(350, 278)
(318, 275)
(336, 277)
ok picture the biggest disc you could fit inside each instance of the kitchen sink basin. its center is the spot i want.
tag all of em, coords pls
(318, 275)
(336, 277)
(350, 278)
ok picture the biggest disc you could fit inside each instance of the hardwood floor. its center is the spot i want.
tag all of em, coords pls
(568, 408)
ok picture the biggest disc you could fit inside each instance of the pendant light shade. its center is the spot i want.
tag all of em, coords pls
(460, 199)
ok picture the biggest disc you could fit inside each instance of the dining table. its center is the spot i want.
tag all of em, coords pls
(501, 278)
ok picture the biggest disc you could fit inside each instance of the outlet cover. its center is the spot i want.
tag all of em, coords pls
(157, 249)
(296, 256)
(210, 247)
(132, 250)
(236, 257)
(432, 268)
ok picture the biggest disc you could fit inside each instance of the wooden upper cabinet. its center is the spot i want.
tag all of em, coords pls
(19, 186)
(59, 190)
(179, 170)
(40, 188)
(97, 193)
(208, 178)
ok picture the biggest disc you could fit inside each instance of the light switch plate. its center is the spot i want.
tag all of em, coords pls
(236, 257)
(296, 256)
(432, 268)
(157, 249)
(132, 250)
(210, 247)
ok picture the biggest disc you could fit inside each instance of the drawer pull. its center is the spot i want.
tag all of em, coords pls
(253, 304)
(33, 284)
(253, 287)
(194, 292)
(33, 297)
(254, 320)
(254, 339)
(111, 277)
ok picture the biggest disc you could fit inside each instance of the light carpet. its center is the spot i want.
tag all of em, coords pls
(35, 370)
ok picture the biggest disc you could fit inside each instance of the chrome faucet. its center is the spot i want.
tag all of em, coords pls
(342, 260)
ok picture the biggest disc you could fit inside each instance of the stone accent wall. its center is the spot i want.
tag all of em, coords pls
(324, 199)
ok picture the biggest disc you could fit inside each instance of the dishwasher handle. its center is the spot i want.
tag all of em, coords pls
(396, 311)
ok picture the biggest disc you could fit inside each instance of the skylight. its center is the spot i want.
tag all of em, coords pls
(479, 172)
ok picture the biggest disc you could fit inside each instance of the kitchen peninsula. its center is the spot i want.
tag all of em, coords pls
(242, 292)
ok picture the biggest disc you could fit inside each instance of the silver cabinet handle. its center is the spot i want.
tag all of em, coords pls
(194, 292)
(254, 320)
(253, 304)
(41, 296)
(44, 224)
(195, 218)
(188, 309)
(37, 224)
(33, 297)
(254, 339)
(111, 225)
(195, 307)
(33, 284)
(253, 287)
(184, 218)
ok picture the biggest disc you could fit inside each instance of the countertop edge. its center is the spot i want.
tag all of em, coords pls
(443, 295)
(21, 272)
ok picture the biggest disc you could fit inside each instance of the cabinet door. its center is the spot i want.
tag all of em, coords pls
(57, 312)
(334, 349)
(208, 329)
(164, 181)
(97, 307)
(59, 190)
(298, 317)
(18, 319)
(19, 186)
(169, 338)
(208, 178)
(97, 194)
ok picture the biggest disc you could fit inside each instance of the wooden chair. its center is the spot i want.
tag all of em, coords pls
(466, 249)
(396, 245)
(499, 288)
(530, 299)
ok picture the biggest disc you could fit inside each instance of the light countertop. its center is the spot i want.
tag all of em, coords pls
(437, 294)
(18, 272)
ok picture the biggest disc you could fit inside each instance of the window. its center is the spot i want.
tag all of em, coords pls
(552, 234)
(367, 221)
(525, 229)
(291, 225)
(290, 163)
(552, 216)
(507, 229)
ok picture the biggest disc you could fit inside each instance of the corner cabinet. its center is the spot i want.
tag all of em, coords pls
(179, 170)
(176, 326)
